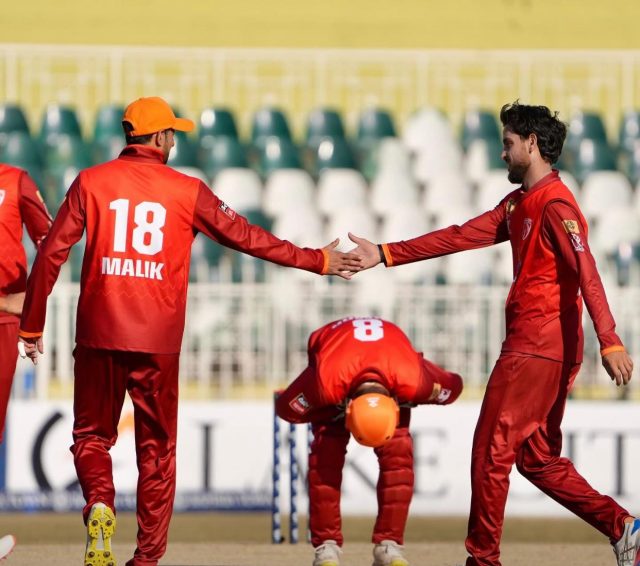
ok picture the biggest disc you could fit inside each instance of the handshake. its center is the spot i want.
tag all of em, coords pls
(365, 255)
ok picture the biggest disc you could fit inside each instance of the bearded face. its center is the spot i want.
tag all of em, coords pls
(516, 155)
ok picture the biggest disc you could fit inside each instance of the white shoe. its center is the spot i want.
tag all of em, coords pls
(388, 553)
(327, 554)
(7, 544)
(100, 527)
(627, 549)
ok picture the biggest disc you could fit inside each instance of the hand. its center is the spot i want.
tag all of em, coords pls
(367, 250)
(619, 366)
(342, 264)
(12, 303)
(30, 348)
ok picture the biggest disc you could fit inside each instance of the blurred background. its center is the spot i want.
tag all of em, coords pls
(318, 118)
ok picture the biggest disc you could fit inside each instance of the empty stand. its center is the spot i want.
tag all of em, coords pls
(339, 188)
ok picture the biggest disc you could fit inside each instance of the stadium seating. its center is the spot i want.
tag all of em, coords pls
(240, 188)
(287, 190)
(629, 160)
(277, 153)
(56, 120)
(479, 125)
(492, 190)
(108, 122)
(390, 190)
(338, 188)
(374, 125)
(12, 119)
(582, 126)
(426, 128)
(266, 123)
(592, 155)
(184, 152)
(332, 153)
(483, 156)
(629, 131)
(217, 122)
(323, 123)
(448, 190)
(218, 153)
(603, 191)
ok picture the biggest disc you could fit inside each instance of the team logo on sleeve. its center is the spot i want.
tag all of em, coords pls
(2, 195)
(227, 210)
(577, 242)
(571, 227)
(443, 396)
(526, 228)
(300, 404)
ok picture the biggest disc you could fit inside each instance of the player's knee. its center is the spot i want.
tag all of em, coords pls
(397, 453)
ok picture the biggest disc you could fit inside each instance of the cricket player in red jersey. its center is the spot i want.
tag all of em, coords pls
(140, 218)
(524, 403)
(20, 204)
(368, 367)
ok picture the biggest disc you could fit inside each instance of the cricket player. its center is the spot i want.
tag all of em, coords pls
(553, 273)
(140, 218)
(362, 379)
(20, 204)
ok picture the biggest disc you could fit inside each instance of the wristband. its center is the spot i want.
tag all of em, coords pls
(611, 349)
(383, 259)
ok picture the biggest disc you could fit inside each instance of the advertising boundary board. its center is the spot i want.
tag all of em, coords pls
(225, 458)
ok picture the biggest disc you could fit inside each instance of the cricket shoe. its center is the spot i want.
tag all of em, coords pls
(388, 553)
(100, 527)
(627, 549)
(7, 543)
(327, 554)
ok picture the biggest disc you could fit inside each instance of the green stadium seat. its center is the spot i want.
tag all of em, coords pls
(333, 153)
(266, 123)
(323, 123)
(585, 125)
(218, 153)
(217, 122)
(592, 155)
(57, 120)
(245, 268)
(12, 119)
(108, 122)
(629, 131)
(375, 124)
(107, 148)
(21, 150)
(479, 124)
(69, 152)
(629, 162)
(184, 152)
(278, 153)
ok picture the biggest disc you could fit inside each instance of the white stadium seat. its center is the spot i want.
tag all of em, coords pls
(240, 188)
(340, 187)
(288, 189)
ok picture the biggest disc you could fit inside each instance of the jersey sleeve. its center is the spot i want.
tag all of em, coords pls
(567, 234)
(66, 230)
(33, 211)
(216, 220)
(485, 230)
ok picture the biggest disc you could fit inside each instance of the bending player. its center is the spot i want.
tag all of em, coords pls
(363, 377)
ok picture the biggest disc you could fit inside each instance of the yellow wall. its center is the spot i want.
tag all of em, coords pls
(528, 24)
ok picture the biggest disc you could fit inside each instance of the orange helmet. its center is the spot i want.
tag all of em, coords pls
(372, 418)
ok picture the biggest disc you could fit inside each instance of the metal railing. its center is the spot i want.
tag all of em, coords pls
(248, 339)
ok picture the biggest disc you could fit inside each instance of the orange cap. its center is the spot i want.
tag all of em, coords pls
(372, 418)
(153, 114)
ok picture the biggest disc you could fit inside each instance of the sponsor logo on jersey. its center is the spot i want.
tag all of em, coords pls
(132, 268)
(443, 395)
(577, 242)
(300, 404)
(526, 228)
(227, 210)
(571, 226)
(2, 195)
(509, 208)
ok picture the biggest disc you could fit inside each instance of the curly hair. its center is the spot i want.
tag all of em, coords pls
(539, 120)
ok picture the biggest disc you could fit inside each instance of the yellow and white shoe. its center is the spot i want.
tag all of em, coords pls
(388, 553)
(7, 543)
(100, 528)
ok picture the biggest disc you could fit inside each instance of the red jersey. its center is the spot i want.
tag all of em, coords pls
(345, 353)
(140, 218)
(20, 203)
(553, 268)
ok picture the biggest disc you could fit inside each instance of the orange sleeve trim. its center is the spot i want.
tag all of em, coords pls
(387, 255)
(24, 334)
(611, 349)
(325, 264)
